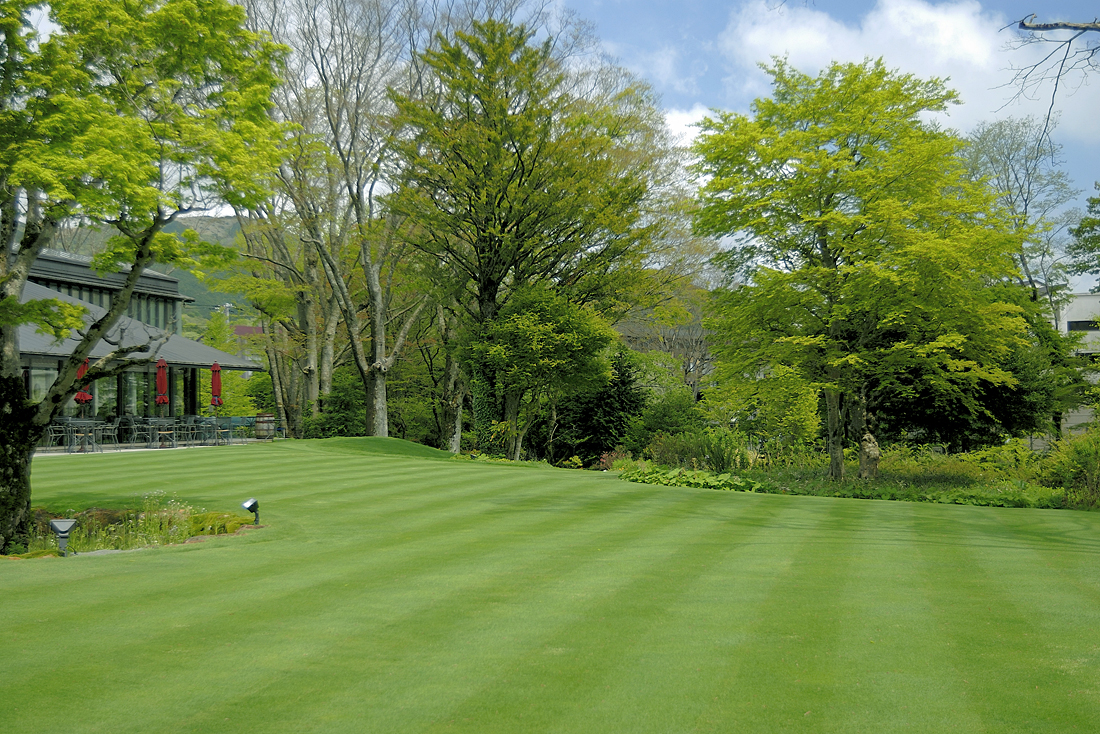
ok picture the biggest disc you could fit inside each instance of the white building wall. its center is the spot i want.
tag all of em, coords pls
(1081, 316)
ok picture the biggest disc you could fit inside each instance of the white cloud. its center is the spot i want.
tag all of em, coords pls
(680, 122)
(665, 66)
(955, 40)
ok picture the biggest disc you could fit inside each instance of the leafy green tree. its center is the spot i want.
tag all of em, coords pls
(861, 246)
(1085, 249)
(589, 424)
(510, 177)
(235, 395)
(778, 407)
(129, 115)
(671, 411)
(540, 347)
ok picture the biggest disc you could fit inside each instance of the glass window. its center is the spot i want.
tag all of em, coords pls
(106, 398)
(41, 379)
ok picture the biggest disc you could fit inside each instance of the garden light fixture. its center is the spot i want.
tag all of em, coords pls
(254, 507)
(62, 528)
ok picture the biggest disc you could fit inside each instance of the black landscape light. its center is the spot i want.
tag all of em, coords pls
(254, 507)
(62, 528)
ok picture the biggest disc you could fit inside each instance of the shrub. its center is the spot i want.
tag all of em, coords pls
(673, 412)
(1074, 463)
(160, 521)
(715, 449)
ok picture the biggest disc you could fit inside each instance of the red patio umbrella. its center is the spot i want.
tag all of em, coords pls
(216, 384)
(162, 382)
(82, 397)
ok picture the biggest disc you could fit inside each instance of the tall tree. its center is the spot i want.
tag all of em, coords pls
(129, 114)
(510, 176)
(863, 246)
(540, 348)
(1019, 161)
(345, 56)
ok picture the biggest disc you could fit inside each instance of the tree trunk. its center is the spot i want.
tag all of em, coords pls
(378, 417)
(484, 398)
(455, 444)
(833, 405)
(512, 401)
(18, 437)
(451, 399)
(328, 348)
(450, 423)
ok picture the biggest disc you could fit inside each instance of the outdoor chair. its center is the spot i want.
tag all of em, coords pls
(187, 430)
(108, 432)
(55, 436)
(138, 433)
(223, 432)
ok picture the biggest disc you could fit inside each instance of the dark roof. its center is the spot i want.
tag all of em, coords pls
(177, 351)
(77, 269)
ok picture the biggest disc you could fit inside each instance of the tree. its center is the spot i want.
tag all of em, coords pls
(1085, 249)
(1018, 160)
(511, 177)
(591, 423)
(862, 248)
(540, 348)
(235, 397)
(345, 56)
(128, 115)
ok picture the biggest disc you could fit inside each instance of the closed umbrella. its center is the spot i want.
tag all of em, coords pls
(216, 384)
(162, 382)
(82, 397)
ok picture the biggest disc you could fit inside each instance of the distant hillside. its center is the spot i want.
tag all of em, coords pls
(223, 230)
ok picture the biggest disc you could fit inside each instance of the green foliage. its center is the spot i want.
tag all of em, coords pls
(779, 407)
(674, 411)
(236, 399)
(990, 478)
(699, 479)
(344, 410)
(861, 247)
(509, 179)
(51, 316)
(161, 520)
(542, 342)
(1085, 250)
(261, 392)
(594, 422)
(539, 348)
(714, 449)
(1074, 464)
(218, 523)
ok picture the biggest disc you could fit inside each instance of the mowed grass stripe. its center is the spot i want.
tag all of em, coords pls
(769, 680)
(141, 638)
(1056, 592)
(659, 634)
(477, 620)
(994, 635)
(417, 594)
(892, 669)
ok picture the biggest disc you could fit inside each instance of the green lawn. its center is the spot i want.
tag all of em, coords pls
(398, 591)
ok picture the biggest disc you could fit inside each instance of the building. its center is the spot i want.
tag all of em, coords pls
(1081, 315)
(153, 320)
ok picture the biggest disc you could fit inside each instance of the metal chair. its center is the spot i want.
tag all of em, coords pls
(109, 431)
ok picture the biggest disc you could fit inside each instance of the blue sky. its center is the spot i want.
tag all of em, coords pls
(702, 54)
